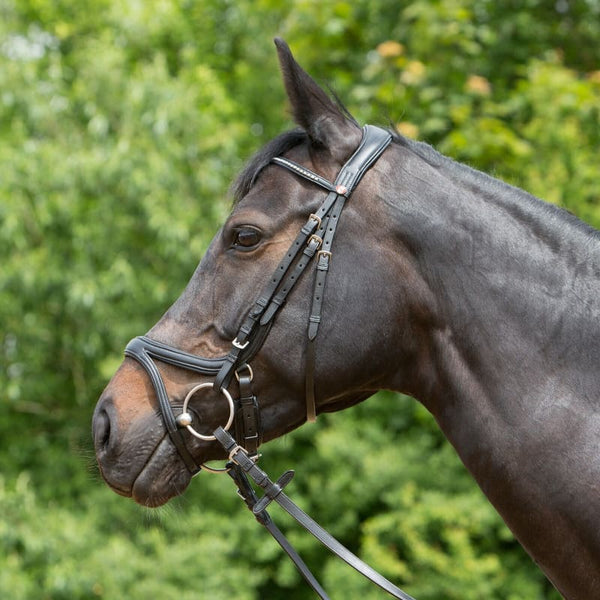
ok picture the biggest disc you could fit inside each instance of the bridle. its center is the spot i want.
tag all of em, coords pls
(314, 239)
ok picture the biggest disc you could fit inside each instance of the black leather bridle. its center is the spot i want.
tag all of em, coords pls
(314, 239)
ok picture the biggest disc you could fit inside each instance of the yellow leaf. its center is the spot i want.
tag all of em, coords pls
(390, 49)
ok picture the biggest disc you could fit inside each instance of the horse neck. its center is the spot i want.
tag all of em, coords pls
(516, 281)
(509, 365)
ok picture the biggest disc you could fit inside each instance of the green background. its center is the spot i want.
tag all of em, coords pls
(121, 126)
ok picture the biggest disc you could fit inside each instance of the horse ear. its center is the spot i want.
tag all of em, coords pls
(321, 117)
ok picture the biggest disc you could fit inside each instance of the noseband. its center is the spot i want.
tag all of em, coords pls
(314, 239)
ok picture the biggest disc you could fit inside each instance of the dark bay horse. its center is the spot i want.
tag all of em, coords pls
(470, 295)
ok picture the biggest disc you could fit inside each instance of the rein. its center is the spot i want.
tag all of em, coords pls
(244, 466)
(314, 239)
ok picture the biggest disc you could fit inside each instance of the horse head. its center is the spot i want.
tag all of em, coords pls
(357, 349)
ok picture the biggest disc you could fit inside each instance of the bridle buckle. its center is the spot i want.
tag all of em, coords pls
(315, 218)
(317, 239)
(238, 345)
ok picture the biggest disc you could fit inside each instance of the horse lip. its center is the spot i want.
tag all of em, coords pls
(128, 491)
(154, 485)
(111, 485)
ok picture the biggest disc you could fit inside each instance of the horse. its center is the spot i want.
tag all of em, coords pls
(472, 296)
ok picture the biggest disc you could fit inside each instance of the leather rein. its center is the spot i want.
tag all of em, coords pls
(314, 239)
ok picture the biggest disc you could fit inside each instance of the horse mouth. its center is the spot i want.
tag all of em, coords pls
(163, 476)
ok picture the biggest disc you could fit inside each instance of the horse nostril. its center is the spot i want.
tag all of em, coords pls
(101, 430)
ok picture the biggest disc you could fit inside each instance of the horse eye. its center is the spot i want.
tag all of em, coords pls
(246, 238)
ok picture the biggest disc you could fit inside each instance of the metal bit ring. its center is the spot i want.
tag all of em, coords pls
(185, 418)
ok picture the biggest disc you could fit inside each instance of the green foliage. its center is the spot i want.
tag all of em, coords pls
(53, 552)
(121, 126)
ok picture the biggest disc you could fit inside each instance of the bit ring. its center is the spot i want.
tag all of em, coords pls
(185, 418)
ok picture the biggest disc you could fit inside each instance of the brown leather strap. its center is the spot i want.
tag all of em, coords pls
(309, 382)
(247, 417)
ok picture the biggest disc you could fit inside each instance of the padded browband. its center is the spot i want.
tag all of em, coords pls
(374, 141)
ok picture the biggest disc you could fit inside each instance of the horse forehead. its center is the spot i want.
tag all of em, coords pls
(277, 195)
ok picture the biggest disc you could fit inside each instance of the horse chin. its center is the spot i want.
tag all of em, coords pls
(163, 477)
